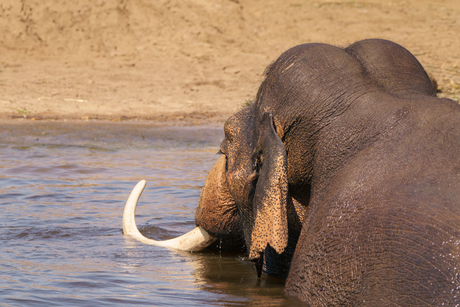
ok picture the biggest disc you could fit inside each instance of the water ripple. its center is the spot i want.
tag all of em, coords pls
(63, 187)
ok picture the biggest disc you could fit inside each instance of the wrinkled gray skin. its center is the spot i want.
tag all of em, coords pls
(344, 178)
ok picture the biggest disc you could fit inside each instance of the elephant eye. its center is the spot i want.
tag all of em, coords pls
(223, 148)
(257, 164)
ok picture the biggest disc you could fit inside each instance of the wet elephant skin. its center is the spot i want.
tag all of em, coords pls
(343, 177)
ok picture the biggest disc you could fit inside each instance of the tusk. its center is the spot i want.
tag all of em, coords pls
(192, 241)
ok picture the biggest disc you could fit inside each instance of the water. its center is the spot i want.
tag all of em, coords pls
(63, 187)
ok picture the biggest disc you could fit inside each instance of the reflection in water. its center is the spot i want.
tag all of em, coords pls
(236, 275)
(62, 191)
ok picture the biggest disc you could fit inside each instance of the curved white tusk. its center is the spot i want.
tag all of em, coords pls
(192, 241)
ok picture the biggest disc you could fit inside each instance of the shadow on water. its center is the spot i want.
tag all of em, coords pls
(62, 191)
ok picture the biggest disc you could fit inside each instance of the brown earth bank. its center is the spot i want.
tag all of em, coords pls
(191, 60)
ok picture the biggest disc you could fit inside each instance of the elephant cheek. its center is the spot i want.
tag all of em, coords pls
(217, 212)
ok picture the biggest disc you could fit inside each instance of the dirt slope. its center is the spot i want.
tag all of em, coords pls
(198, 59)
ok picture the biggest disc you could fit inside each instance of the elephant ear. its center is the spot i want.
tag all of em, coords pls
(270, 192)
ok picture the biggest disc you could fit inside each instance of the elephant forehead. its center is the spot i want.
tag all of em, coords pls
(237, 126)
(239, 142)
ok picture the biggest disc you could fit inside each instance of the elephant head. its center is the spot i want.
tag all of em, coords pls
(317, 173)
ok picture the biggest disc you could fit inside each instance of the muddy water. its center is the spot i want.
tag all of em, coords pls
(62, 191)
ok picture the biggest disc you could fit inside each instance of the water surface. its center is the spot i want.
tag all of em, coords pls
(63, 186)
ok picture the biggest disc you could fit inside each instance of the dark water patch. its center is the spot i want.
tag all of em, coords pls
(10, 195)
(13, 182)
(51, 232)
(63, 171)
(165, 231)
(36, 156)
(50, 196)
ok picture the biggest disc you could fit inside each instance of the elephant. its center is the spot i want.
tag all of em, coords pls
(343, 177)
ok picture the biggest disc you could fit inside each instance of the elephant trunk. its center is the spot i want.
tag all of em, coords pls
(193, 241)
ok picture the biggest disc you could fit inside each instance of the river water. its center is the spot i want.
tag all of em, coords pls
(63, 186)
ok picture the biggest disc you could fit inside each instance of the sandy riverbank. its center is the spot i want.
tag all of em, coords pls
(187, 60)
